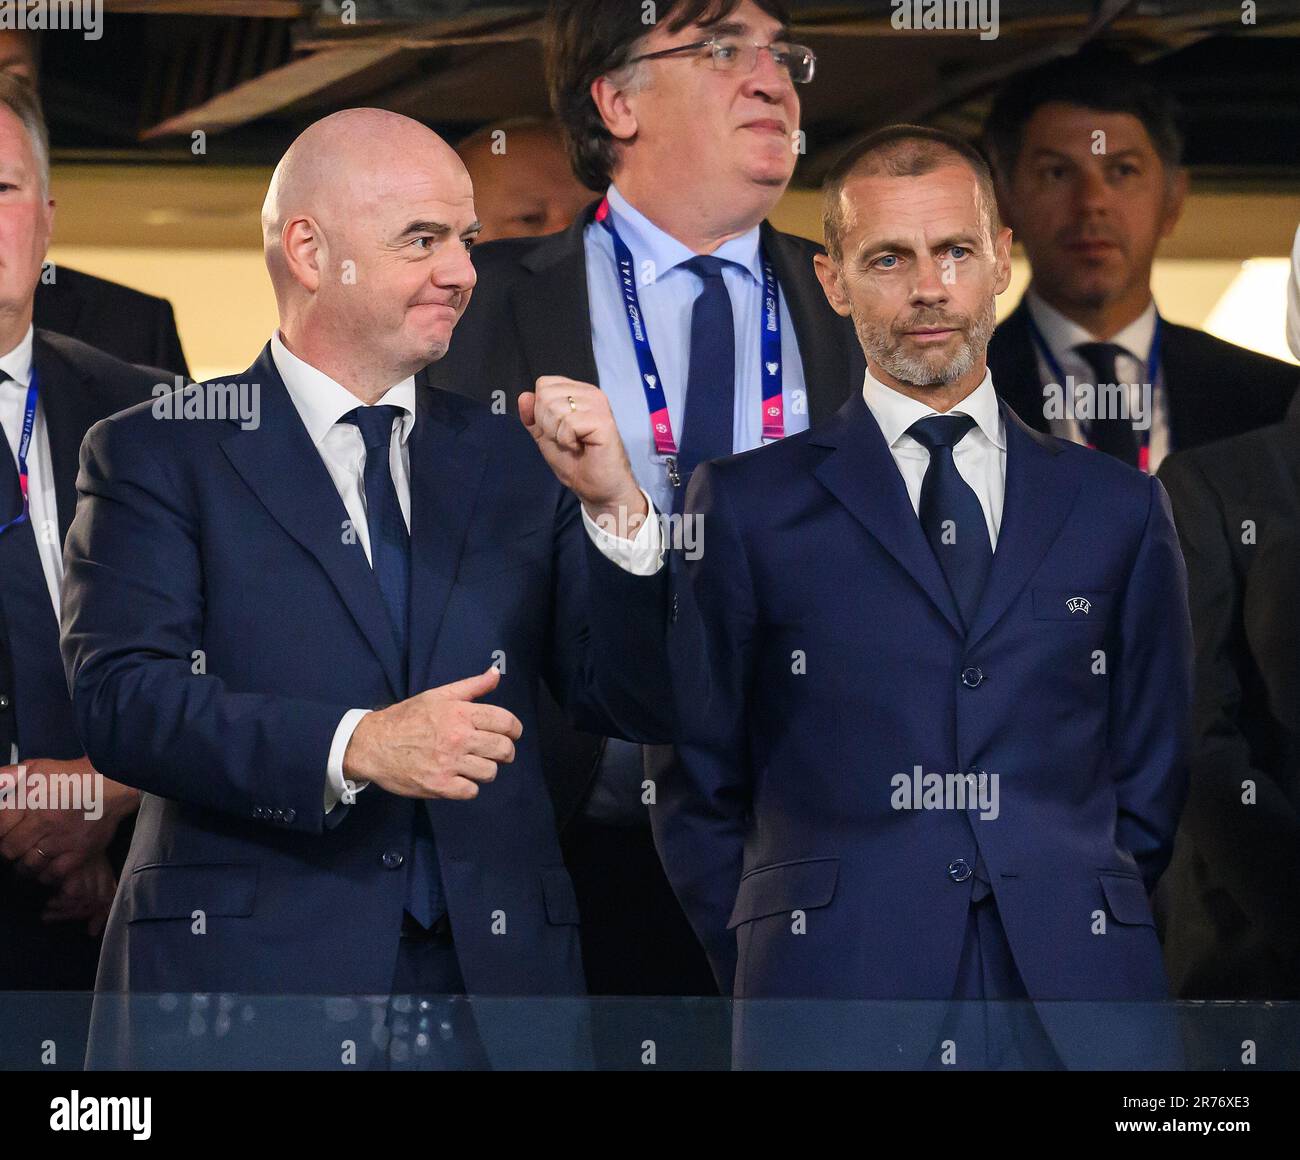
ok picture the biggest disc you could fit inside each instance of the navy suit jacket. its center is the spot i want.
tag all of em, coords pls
(79, 385)
(833, 660)
(218, 623)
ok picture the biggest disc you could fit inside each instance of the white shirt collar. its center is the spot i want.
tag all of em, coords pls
(649, 243)
(322, 402)
(896, 412)
(1063, 334)
(17, 363)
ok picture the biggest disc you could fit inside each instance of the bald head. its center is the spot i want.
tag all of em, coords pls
(339, 168)
(365, 229)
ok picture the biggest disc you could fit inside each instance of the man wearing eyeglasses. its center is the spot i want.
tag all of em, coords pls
(705, 327)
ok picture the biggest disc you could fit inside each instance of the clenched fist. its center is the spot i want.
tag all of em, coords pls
(438, 744)
(575, 430)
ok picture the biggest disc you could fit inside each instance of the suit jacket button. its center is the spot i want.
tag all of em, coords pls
(4, 701)
(257, 812)
(673, 615)
(289, 815)
(971, 676)
(959, 870)
(278, 815)
(392, 859)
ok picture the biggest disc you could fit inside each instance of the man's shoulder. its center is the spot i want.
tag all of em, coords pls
(102, 368)
(794, 241)
(101, 290)
(1213, 355)
(773, 466)
(1225, 466)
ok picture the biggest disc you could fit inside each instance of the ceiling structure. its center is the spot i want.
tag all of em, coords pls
(249, 74)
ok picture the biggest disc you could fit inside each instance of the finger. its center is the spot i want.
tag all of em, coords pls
(528, 412)
(460, 789)
(24, 837)
(470, 687)
(494, 719)
(476, 768)
(493, 746)
(66, 863)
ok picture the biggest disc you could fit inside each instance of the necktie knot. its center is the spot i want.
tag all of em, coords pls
(940, 430)
(706, 266)
(375, 423)
(1101, 356)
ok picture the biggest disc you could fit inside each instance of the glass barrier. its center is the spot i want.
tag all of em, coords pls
(74, 1031)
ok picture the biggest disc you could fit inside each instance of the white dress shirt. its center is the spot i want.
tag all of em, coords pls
(44, 514)
(980, 456)
(1062, 335)
(322, 403)
(43, 510)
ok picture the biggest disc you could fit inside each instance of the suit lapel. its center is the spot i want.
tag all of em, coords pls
(863, 476)
(1015, 367)
(1195, 417)
(70, 409)
(1038, 500)
(553, 313)
(283, 468)
(446, 472)
(821, 349)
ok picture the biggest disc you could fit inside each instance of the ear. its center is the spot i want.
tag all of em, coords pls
(828, 274)
(1002, 257)
(304, 251)
(615, 108)
(1175, 197)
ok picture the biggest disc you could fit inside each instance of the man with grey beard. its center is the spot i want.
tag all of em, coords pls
(915, 607)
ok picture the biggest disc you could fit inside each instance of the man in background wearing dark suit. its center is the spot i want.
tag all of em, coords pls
(523, 186)
(1228, 904)
(129, 324)
(690, 135)
(1087, 155)
(56, 873)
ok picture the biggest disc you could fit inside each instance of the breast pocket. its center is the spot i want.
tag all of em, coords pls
(177, 890)
(493, 558)
(1084, 606)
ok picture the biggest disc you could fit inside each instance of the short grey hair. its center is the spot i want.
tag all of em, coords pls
(19, 97)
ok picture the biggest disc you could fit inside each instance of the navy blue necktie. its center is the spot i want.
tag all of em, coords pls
(950, 512)
(1112, 434)
(390, 558)
(711, 381)
(390, 542)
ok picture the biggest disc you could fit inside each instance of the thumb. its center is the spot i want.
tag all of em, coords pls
(527, 403)
(470, 688)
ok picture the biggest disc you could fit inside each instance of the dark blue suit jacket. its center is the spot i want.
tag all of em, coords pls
(218, 623)
(823, 654)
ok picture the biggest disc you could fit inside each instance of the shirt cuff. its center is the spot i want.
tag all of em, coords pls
(337, 787)
(643, 555)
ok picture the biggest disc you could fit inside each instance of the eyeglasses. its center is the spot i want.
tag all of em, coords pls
(730, 55)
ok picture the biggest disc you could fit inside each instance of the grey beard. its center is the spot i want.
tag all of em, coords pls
(917, 371)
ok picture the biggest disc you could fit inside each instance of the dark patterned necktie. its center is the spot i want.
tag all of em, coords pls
(710, 409)
(1112, 434)
(950, 512)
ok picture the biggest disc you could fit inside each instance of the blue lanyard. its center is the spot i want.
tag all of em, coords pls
(24, 443)
(661, 428)
(1152, 370)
